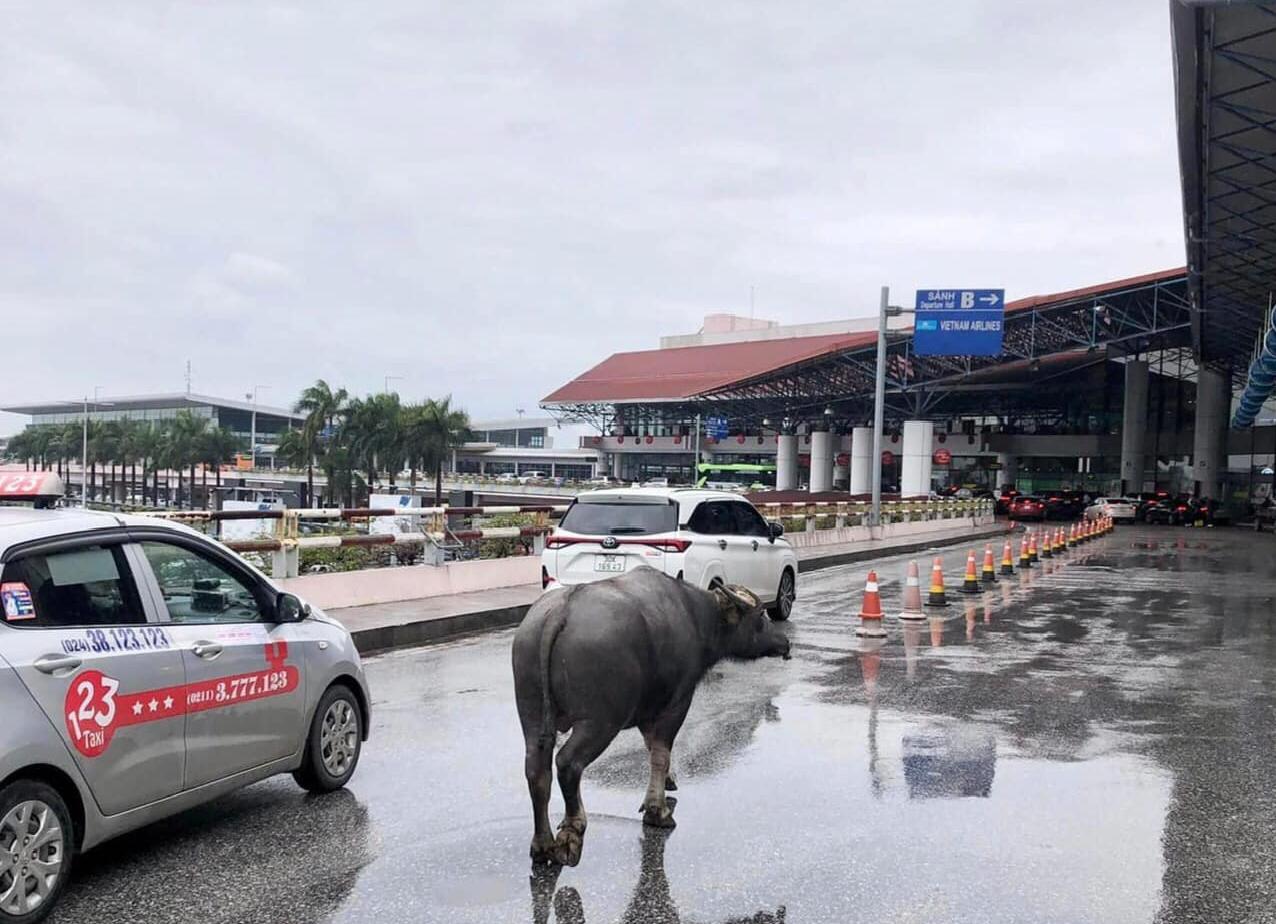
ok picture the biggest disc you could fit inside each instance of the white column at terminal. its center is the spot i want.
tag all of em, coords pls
(1134, 426)
(861, 452)
(1008, 472)
(821, 461)
(786, 462)
(915, 477)
(1213, 405)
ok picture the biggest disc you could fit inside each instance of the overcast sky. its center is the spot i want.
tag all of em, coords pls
(486, 199)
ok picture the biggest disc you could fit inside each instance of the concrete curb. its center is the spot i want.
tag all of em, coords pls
(380, 639)
(410, 634)
(846, 558)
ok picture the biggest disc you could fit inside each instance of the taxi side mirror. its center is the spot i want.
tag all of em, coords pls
(775, 528)
(290, 608)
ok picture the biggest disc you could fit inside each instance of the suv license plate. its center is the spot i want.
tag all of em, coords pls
(612, 563)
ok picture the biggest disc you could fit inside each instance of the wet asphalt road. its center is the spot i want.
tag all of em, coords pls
(1091, 741)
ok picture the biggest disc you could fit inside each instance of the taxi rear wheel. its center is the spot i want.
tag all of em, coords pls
(333, 744)
(36, 838)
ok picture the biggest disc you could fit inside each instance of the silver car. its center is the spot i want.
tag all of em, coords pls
(145, 669)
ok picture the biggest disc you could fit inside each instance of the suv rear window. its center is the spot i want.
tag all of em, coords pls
(620, 519)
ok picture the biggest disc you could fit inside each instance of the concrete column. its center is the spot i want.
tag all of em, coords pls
(786, 462)
(615, 466)
(1134, 426)
(915, 475)
(861, 468)
(821, 461)
(1209, 456)
(1008, 474)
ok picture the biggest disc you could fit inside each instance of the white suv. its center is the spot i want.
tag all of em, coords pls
(700, 536)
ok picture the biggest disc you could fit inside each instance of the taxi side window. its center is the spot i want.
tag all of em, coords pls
(86, 586)
(712, 518)
(199, 590)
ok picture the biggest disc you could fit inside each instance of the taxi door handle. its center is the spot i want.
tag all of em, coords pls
(722, 543)
(52, 663)
(755, 545)
(206, 650)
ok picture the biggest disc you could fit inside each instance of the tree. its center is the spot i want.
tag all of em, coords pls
(295, 453)
(446, 428)
(217, 447)
(148, 445)
(322, 406)
(184, 436)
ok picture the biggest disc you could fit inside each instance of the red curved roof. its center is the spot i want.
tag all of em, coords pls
(684, 372)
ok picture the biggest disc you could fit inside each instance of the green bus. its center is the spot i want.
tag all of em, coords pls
(736, 475)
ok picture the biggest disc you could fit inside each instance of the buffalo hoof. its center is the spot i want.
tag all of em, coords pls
(656, 816)
(542, 850)
(569, 843)
(670, 784)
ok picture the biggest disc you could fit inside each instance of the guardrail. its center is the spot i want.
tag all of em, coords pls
(855, 513)
(440, 529)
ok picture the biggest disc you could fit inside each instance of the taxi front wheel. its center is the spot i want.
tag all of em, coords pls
(36, 839)
(333, 744)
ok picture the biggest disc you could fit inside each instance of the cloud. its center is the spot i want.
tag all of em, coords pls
(487, 199)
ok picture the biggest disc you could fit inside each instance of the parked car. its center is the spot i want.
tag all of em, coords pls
(1208, 512)
(1063, 505)
(507, 478)
(1027, 507)
(656, 483)
(527, 477)
(703, 537)
(146, 669)
(1004, 500)
(1118, 509)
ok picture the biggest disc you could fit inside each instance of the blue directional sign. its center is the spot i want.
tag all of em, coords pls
(959, 322)
(716, 427)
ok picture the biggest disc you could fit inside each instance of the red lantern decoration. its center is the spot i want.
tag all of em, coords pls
(649, 440)
(942, 457)
(888, 457)
(620, 439)
(943, 437)
(677, 440)
(740, 438)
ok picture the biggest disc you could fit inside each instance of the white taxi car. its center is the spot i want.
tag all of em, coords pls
(145, 669)
(697, 535)
(1117, 509)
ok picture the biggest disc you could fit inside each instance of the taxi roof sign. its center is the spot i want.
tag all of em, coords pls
(40, 488)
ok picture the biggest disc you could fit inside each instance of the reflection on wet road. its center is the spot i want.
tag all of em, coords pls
(1088, 741)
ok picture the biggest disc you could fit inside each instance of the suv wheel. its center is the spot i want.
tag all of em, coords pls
(334, 742)
(36, 839)
(784, 597)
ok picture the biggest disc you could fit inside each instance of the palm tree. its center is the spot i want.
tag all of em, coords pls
(322, 406)
(447, 428)
(216, 447)
(184, 436)
(148, 445)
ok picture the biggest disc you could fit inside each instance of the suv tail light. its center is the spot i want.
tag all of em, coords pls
(664, 545)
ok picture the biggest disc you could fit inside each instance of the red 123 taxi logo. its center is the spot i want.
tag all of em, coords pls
(95, 708)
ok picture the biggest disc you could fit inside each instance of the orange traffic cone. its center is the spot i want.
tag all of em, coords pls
(1025, 554)
(989, 573)
(1047, 547)
(1007, 562)
(1060, 544)
(912, 594)
(936, 597)
(871, 611)
(1072, 535)
(971, 584)
(1033, 558)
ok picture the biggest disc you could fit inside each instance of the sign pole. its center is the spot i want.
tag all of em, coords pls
(879, 410)
(695, 459)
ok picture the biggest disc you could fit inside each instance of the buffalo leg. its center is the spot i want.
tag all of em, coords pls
(540, 779)
(588, 740)
(657, 809)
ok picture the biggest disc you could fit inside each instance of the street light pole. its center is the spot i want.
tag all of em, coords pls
(252, 439)
(879, 410)
(84, 449)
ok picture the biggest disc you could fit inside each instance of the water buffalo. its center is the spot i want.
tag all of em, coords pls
(598, 658)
